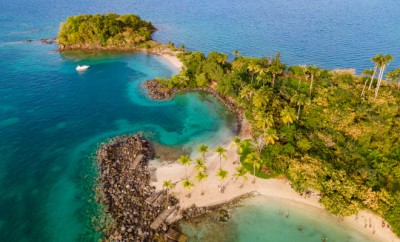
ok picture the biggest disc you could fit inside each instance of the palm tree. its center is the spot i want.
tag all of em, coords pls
(376, 59)
(188, 185)
(185, 160)
(252, 67)
(275, 70)
(241, 172)
(200, 165)
(221, 58)
(222, 174)
(236, 140)
(221, 153)
(288, 115)
(247, 92)
(270, 136)
(200, 176)
(260, 71)
(394, 76)
(383, 63)
(299, 99)
(367, 73)
(305, 72)
(203, 149)
(314, 72)
(253, 159)
(260, 99)
(263, 120)
(168, 185)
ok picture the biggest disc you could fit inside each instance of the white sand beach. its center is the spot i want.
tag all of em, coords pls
(172, 60)
(277, 188)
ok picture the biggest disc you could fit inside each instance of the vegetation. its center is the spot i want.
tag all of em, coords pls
(168, 185)
(203, 149)
(241, 171)
(311, 125)
(108, 30)
(221, 153)
(185, 161)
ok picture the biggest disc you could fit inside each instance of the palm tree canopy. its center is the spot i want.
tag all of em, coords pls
(222, 174)
(253, 159)
(203, 148)
(260, 99)
(314, 71)
(247, 92)
(288, 115)
(241, 171)
(367, 72)
(299, 99)
(377, 59)
(184, 160)
(236, 140)
(252, 67)
(200, 165)
(187, 184)
(168, 184)
(271, 137)
(393, 75)
(201, 176)
(221, 151)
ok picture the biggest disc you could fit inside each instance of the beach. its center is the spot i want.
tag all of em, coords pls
(172, 60)
(274, 188)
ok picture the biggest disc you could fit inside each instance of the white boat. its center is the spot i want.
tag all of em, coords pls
(81, 68)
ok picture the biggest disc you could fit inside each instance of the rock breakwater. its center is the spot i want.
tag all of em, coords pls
(124, 186)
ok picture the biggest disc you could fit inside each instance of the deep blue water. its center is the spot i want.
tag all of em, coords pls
(51, 117)
(330, 33)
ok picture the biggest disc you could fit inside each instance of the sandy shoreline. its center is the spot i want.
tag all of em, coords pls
(172, 60)
(276, 188)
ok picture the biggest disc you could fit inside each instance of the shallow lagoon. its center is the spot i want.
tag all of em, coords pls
(269, 219)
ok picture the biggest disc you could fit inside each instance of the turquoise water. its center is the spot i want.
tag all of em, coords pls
(52, 117)
(259, 219)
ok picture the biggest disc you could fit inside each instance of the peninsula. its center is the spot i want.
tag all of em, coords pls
(328, 132)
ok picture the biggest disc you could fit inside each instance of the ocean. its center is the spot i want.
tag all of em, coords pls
(52, 118)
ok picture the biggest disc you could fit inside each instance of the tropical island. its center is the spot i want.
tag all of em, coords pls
(329, 132)
(107, 32)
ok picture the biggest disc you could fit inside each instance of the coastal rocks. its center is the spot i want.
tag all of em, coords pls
(124, 189)
(219, 212)
(48, 41)
(159, 91)
(43, 41)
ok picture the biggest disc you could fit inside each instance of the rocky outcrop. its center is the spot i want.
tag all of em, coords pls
(124, 187)
(159, 91)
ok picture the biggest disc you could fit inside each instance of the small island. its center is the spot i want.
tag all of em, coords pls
(108, 31)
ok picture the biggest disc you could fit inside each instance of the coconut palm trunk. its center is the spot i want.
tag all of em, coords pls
(312, 80)
(372, 78)
(298, 112)
(382, 69)
(298, 86)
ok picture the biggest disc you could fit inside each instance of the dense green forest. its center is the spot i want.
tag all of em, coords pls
(330, 131)
(99, 31)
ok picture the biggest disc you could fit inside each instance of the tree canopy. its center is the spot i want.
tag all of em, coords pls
(315, 127)
(107, 30)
